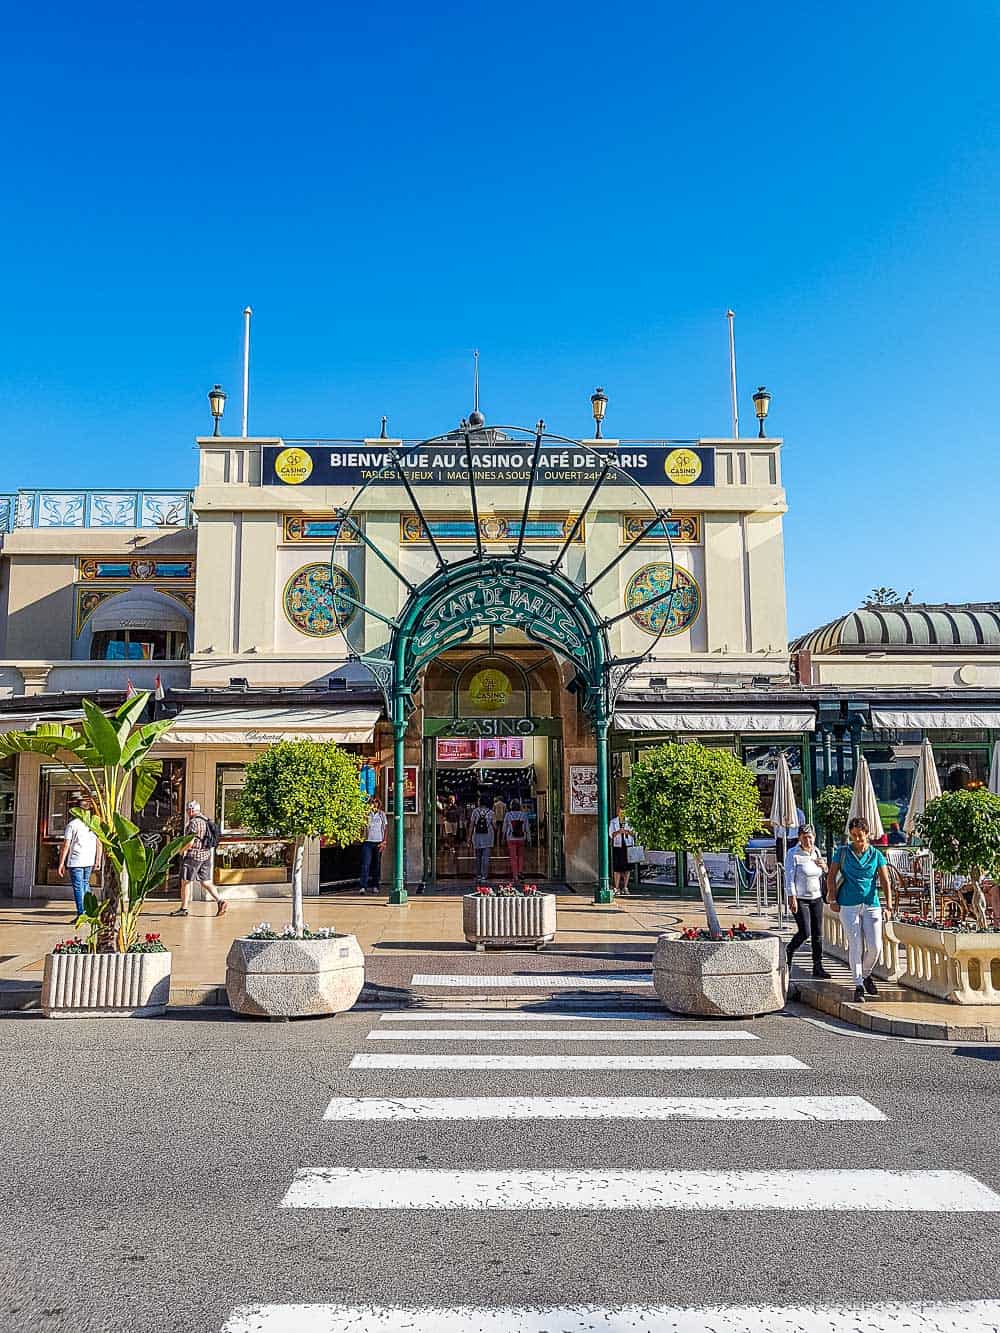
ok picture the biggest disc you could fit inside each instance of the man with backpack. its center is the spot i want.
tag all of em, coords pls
(482, 832)
(515, 835)
(196, 859)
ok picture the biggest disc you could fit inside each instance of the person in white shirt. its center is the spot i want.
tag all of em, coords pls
(804, 872)
(622, 837)
(80, 852)
(373, 846)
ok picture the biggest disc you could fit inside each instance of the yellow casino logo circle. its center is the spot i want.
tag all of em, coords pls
(682, 466)
(293, 466)
(489, 689)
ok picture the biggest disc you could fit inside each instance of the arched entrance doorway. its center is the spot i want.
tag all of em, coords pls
(502, 587)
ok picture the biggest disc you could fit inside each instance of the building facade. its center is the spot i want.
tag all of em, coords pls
(260, 613)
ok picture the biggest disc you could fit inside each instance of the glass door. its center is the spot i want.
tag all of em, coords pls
(162, 817)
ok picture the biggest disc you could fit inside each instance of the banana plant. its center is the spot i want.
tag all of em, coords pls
(109, 758)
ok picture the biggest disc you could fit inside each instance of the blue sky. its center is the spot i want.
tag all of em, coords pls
(578, 190)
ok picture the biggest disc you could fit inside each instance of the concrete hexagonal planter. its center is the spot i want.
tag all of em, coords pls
(720, 978)
(516, 920)
(105, 985)
(294, 978)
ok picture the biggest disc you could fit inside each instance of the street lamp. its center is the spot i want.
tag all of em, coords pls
(599, 403)
(761, 403)
(217, 402)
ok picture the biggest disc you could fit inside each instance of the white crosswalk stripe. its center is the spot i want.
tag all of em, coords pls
(599, 1187)
(688, 1191)
(427, 1060)
(601, 1108)
(487, 1034)
(922, 1317)
(548, 980)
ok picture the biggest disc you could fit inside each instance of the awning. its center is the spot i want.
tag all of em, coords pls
(267, 726)
(28, 721)
(934, 719)
(139, 608)
(741, 721)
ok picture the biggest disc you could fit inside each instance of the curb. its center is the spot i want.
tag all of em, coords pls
(828, 1000)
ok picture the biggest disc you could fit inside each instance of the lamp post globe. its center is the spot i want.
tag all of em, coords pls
(761, 404)
(217, 403)
(599, 404)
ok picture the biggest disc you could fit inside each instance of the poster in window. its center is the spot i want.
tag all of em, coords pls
(411, 789)
(583, 789)
(452, 751)
(502, 747)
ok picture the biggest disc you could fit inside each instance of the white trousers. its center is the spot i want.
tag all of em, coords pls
(863, 928)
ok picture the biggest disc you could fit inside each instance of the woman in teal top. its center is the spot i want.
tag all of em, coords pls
(857, 873)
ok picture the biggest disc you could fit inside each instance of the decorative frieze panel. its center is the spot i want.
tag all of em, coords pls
(682, 529)
(140, 569)
(539, 530)
(306, 528)
(311, 604)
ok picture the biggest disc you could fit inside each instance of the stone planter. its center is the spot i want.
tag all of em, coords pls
(721, 978)
(963, 968)
(294, 978)
(517, 920)
(891, 962)
(105, 985)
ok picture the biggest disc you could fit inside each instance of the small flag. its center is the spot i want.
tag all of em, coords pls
(159, 692)
(130, 690)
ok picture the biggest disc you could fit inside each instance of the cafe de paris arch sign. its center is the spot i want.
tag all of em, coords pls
(505, 586)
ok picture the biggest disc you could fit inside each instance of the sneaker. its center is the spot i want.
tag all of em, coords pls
(181, 911)
(821, 974)
(362, 892)
(870, 986)
(859, 994)
(222, 908)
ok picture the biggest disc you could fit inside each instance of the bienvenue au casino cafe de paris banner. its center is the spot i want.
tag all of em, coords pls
(501, 464)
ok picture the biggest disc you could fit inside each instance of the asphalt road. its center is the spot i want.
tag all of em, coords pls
(144, 1166)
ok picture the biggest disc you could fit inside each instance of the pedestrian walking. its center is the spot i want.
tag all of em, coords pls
(80, 852)
(373, 847)
(196, 859)
(622, 838)
(804, 871)
(857, 872)
(515, 835)
(482, 831)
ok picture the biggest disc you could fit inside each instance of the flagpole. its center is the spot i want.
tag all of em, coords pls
(247, 312)
(731, 316)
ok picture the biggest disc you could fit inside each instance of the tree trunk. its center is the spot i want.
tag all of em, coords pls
(708, 902)
(107, 934)
(979, 901)
(298, 925)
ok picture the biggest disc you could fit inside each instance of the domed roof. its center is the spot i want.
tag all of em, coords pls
(908, 627)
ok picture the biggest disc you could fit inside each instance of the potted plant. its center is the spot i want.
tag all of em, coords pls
(509, 916)
(957, 960)
(833, 808)
(293, 791)
(697, 799)
(112, 971)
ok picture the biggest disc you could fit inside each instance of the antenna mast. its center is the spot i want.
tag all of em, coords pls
(731, 316)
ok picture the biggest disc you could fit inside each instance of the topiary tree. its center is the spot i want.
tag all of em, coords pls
(696, 800)
(833, 805)
(298, 790)
(962, 829)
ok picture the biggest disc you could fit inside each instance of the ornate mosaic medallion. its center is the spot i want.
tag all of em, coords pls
(309, 600)
(672, 615)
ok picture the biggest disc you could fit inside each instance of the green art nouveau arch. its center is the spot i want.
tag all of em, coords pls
(505, 590)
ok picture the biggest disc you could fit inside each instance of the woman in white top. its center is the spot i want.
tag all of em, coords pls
(804, 871)
(620, 833)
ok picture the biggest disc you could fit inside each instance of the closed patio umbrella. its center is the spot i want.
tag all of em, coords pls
(927, 786)
(864, 803)
(784, 813)
(994, 783)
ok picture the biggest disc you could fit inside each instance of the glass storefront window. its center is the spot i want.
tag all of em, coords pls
(139, 645)
(762, 761)
(892, 768)
(961, 768)
(59, 792)
(240, 859)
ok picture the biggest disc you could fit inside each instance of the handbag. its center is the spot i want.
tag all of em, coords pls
(635, 855)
